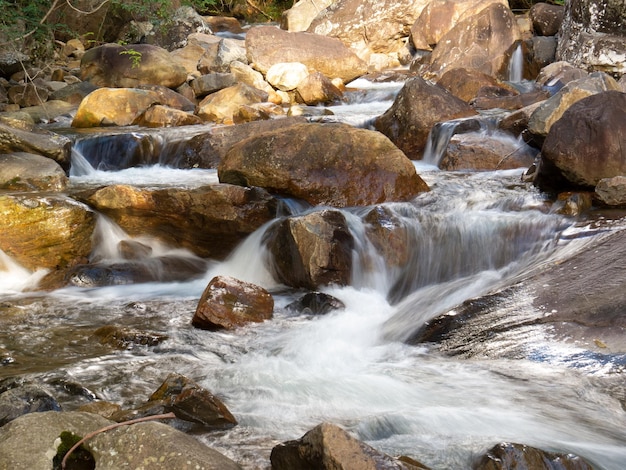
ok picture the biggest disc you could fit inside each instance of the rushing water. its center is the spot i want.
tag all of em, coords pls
(473, 232)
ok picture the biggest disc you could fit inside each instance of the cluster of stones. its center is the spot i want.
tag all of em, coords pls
(252, 89)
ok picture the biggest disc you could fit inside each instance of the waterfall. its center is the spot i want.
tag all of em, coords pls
(16, 278)
(516, 65)
(438, 140)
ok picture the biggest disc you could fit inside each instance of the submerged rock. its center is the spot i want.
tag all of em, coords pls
(505, 456)
(125, 338)
(25, 399)
(315, 303)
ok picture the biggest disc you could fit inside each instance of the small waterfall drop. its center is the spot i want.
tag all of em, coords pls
(516, 65)
(16, 278)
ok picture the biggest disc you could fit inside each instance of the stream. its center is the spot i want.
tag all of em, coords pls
(474, 232)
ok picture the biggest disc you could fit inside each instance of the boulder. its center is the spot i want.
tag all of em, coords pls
(480, 152)
(440, 16)
(516, 122)
(170, 98)
(389, 235)
(12, 61)
(25, 399)
(315, 303)
(73, 93)
(311, 250)
(552, 110)
(539, 52)
(224, 24)
(546, 18)
(593, 37)
(223, 105)
(315, 89)
(27, 172)
(586, 144)
(212, 82)
(257, 112)
(327, 447)
(507, 455)
(116, 66)
(210, 221)
(612, 191)
(189, 57)
(483, 42)
(330, 164)
(126, 338)
(245, 74)
(219, 56)
(286, 76)
(22, 137)
(300, 16)
(465, 83)
(30, 442)
(207, 150)
(164, 116)
(196, 408)
(173, 33)
(371, 26)
(114, 107)
(417, 108)
(557, 74)
(267, 45)
(45, 231)
(502, 98)
(28, 94)
(228, 303)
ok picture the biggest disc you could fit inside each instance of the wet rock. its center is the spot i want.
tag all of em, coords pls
(612, 191)
(440, 16)
(22, 137)
(115, 66)
(330, 164)
(519, 456)
(114, 107)
(327, 447)
(221, 106)
(516, 122)
(208, 149)
(101, 408)
(373, 26)
(267, 45)
(586, 144)
(483, 42)
(209, 221)
(27, 172)
(573, 203)
(311, 250)
(228, 303)
(546, 18)
(45, 231)
(553, 109)
(315, 303)
(417, 108)
(389, 235)
(196, 408)
(539, 52)
(592, 35)
(25, 399)
(300, 16)
(125, 338)
(501, 98)
(485, 152)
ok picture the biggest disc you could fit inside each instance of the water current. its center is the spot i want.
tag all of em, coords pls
(472, 233)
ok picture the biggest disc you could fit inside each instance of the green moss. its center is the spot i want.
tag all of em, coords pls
(79, 459)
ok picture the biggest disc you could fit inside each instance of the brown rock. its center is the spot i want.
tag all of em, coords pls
(228, 303)
(506, 455)
(481, 152)
(416, 109)
(330, 164)
(268, 45)
(465, 83)
(312, 250)
(482, 42)
(546, 18)
(316, 88)
(28, 95)
(26, 172)
(125, 338)
(612, 191)
(22, 137)
(328, 447)
(112, 65)
(587, 143)
(163, 116)
(209, 221)
(223, 105)
(51, 232)
(114, 107)
(389, 235)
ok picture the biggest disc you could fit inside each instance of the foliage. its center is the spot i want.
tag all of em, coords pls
(134, 56)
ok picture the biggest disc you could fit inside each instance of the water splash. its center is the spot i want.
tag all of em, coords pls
(15, 278)
(516, 65)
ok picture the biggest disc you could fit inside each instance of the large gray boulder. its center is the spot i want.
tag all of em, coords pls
(22, 137)
(331, 164)
(593, 36)
(27, 172)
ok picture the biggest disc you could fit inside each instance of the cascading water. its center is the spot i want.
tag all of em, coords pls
(280, 378)
(516, 65)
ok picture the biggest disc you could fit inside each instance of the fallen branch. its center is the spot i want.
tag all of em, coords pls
(113, 426)
(249, 2)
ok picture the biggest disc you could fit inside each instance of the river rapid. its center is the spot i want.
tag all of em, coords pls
(473, 233)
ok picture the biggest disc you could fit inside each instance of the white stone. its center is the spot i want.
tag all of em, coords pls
(286, 76)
